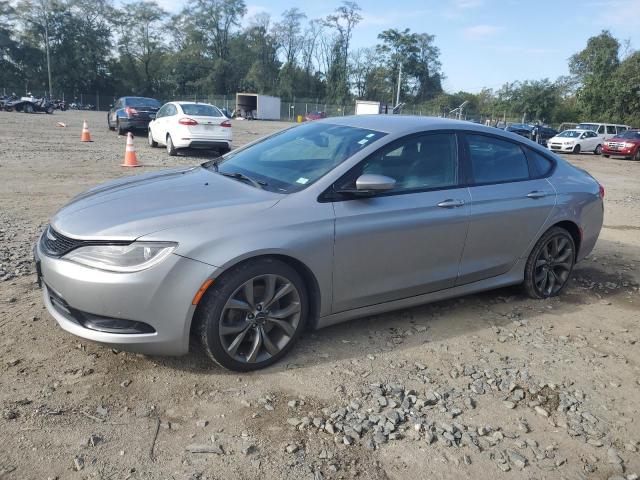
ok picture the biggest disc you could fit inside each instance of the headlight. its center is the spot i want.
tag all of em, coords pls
(628, 145)
(122, 258)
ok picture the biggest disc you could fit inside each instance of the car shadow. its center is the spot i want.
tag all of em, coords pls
(435, 322)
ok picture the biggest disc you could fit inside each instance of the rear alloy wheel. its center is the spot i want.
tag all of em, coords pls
(253, 315)
(550, 264)
(119, 128)
(171, 150)
(152, 142)
(598, 150)
(576, 149)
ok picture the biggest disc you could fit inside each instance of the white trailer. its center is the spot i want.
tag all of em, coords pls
(366, 107)
(260, 107)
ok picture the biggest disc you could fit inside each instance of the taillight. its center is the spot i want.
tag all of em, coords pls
(187, 121)
(226, 123)
(130, 111)
(601, 191)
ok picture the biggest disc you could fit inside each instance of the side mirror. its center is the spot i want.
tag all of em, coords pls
(372, 183)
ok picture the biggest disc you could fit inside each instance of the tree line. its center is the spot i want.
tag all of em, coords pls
(211, 47)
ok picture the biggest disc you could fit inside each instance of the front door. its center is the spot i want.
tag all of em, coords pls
(408, 241)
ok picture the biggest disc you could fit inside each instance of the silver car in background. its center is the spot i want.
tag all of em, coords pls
(314, 225)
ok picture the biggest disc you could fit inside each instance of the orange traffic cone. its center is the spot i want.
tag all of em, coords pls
(86, 136)
(130, 159)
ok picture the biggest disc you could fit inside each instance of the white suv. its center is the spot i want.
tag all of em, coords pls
(603, 130)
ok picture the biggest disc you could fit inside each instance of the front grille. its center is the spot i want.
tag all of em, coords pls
(54, 244)
(615, 145)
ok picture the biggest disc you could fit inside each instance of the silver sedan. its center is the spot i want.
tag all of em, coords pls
(311, 226)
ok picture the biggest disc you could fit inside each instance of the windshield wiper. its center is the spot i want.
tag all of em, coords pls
(243, 177)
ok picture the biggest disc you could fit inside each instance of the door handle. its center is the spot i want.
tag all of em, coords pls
(536, 194)
(451, 203)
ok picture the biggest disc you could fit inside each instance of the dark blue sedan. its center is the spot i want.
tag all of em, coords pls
(131, 113)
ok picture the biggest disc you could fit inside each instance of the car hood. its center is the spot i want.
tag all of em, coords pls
(136, 206)
(623, 140)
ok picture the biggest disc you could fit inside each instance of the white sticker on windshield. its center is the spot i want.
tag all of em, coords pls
(370, 135)
(363, 141)
(302, 180)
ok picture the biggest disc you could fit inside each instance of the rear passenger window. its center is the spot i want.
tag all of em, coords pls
(495, 161)
(540, 165)
(611, 129)
(601, 129)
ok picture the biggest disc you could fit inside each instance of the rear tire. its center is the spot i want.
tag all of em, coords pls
(121, 131)
(598, 150)
(550, 264)
(576, 149)
(247, 328)
(171, 150)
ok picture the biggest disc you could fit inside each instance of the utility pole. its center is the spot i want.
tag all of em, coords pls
(46, 37)
(399, 83)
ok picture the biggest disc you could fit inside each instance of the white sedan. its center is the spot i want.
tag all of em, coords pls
(190, 125)
(576, 141)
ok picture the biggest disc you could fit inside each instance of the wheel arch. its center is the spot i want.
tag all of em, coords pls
(308, 277)
(574, 231)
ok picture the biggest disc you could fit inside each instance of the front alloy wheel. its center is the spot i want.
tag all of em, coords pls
(253, 315)
(550, 264)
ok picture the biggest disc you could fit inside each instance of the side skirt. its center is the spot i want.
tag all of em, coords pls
(513, 277)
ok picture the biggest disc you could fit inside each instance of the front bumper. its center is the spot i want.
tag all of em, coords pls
(80, 298)
(555, 147)
(622, 152)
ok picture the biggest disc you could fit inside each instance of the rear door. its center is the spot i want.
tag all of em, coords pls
(408, 241)
(510, 202)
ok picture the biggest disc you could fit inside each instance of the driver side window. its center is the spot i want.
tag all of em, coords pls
(416, 163)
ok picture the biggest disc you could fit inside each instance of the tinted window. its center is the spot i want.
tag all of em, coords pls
(631, 134)
(587, 126)
(621, 128)
(540, 165)
(141, 102)
(494, 160)
(199, 109)
(601, 129)
(415, 163)
(611, 129)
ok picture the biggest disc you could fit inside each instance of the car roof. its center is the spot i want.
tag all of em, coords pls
(407, 123)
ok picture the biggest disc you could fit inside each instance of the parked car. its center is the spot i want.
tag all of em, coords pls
(30, 104)
(190, 125)
(314, 225)
(603, 130)
(538, 133)
(314, 116)
(625, 144)
(576, 141)
(132, 113)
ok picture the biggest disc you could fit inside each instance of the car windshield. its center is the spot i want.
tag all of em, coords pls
(295, 158)
(587, 126)
(141, 102)
(201, 110)
(570, 134)
(630, 134)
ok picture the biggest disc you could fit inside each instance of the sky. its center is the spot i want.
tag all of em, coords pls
(484, 43)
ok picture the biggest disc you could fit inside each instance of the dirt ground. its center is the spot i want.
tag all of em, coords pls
(488, 386)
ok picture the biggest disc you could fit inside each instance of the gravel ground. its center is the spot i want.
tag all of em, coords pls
(488, 386)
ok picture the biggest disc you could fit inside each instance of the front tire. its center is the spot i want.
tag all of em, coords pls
(253, 315)
(152, 142)
(550, 264)
(171, 150)
(576, 149)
